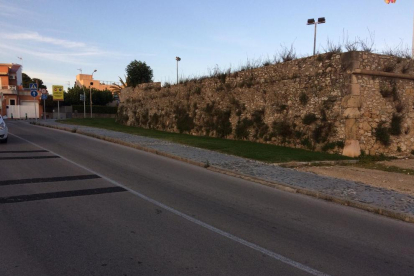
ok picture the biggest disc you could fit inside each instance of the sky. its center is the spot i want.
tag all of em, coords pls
(55, 38)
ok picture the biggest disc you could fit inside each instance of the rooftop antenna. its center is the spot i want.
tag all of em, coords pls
(80, 69)
(21, 59)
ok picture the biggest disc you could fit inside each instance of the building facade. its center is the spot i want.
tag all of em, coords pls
(16, 101)
(86, 80)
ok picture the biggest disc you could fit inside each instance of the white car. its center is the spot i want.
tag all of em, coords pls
(3, 130)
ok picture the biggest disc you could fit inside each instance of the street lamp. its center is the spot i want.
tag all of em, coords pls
(177, 59)
(90, 92)
(312, 21)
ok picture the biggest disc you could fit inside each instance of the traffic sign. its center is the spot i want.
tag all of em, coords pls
(33, 93)
(58, 94)
(44, 91)
(82, 97)
(44, 96)
(33, 86)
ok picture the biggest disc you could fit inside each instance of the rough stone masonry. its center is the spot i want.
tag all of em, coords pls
(349, 103)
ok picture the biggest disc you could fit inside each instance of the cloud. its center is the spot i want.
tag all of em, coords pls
(8, 10)
(55, 56)
(34, 36)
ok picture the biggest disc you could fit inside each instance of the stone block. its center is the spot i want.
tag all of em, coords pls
(365, 126)
(355, 89)
(352, 113)
(351, 129)
(351, 101)
(352, 148)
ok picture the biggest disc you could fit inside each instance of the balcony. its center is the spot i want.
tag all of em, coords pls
(8, 89)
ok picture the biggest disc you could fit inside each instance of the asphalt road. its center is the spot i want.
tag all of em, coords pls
(73, 205)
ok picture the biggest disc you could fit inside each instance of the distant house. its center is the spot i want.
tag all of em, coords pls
(16, 101)
(86, 80)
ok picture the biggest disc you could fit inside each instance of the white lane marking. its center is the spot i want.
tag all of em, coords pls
(193, 220)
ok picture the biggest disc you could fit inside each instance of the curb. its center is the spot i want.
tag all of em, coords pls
(283, 187)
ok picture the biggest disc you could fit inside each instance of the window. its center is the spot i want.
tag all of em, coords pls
(12, 102)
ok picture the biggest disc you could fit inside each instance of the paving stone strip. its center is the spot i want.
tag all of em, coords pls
(352, 193)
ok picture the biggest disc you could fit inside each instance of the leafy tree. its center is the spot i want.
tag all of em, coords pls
(138, 72)
(39, 83)
(99, 97)
(26, 80)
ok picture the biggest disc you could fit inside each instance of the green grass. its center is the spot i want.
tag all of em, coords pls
(246, 149)
(382, 167)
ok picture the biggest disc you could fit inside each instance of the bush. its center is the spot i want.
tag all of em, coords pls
(321, 133)
(309, 119)
(184, 121)
(96, 109)
(382, 135)
(222, 124)
(329, 146)
(282, 129)
(303, 98)
(242, 128)
(306, 143)
(396, 125)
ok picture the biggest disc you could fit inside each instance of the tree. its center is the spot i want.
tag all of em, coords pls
(116, 88)
(138, 72)
(99, 97)
(39, 83)
(26, 80)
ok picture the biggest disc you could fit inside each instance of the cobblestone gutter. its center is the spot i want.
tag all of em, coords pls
(359, 195)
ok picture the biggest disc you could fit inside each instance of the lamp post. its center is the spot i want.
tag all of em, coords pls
(177, 59)
(90, 92)
(312, 21)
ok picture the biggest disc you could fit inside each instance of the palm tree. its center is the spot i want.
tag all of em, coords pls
(116, 88)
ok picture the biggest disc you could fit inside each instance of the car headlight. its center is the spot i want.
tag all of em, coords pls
(2, 125)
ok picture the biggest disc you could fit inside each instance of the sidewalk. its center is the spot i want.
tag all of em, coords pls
(359, 195)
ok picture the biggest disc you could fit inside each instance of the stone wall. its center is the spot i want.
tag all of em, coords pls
(331, 102)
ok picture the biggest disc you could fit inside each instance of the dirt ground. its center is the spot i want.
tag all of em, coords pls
(394, 181)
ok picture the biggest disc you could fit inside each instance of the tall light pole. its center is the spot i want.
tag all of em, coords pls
(90, 92)
(177, 59)
(312, 21)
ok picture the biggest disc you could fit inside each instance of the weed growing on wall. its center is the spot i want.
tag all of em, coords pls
(242, 128)
(303, 98)
(382, 135)
(395, 128)
(185, 123)
(309, 119)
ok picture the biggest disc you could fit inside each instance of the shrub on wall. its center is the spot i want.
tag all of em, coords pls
(222, 124)
(185, 123)
(321, 133)
(303, 98)
(282, 129)
(396, 125)
(309, 119)
(242, 128)
(382, 134)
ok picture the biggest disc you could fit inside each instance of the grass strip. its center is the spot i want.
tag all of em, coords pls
(256, 151)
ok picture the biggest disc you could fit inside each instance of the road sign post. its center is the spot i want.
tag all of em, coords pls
(58, 95)
(44, 97)
(33, 92)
